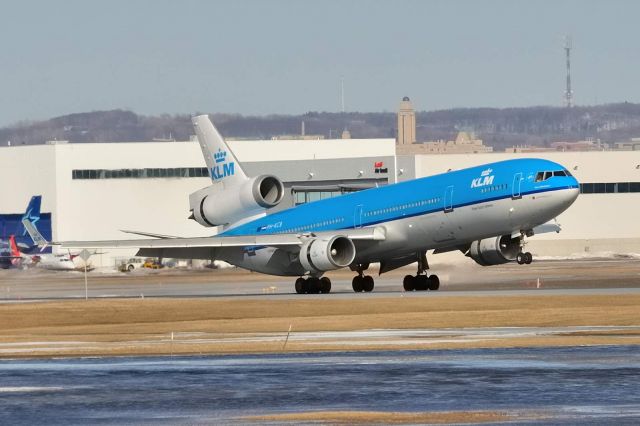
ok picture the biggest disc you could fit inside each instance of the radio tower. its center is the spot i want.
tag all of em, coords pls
(568, 94)
(342, 92)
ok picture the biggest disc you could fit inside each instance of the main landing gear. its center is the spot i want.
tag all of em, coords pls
(362, 282)
(313, 285)
(421, 282)
(523, 258)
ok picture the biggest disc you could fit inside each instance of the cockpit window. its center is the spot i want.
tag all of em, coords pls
(568, 173)
(541, 176)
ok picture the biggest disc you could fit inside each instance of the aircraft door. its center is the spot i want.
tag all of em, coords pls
(516, 189)
(445, 227)
(357, 217)
(448, 199)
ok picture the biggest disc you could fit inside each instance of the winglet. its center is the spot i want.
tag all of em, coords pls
(222, 163)
(34, 234)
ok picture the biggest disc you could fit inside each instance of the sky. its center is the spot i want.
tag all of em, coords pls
(259, 57)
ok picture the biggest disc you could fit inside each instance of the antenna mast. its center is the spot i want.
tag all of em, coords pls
(568, 94)
(342, 92)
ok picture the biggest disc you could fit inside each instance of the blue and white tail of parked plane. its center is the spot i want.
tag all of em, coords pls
(486, 212)
(11, 224)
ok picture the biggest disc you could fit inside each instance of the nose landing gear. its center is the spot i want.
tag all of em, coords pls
(523, 258)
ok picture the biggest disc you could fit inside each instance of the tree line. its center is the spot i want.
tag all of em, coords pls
(535, 126)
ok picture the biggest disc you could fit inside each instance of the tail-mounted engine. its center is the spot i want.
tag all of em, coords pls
(326, 254)
(494, 251)
(213, 206)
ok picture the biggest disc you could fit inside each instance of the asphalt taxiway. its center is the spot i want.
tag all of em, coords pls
(592, 276)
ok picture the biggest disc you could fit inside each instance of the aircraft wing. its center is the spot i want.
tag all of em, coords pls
(148, 234)
(271, 240)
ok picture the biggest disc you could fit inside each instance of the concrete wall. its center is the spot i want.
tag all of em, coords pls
(27, 171)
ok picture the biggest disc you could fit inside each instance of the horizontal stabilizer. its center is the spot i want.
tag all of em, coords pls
(35, 235)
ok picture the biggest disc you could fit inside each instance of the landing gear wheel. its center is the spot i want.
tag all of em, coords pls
(409, 283)
(528, 258)
(433, 282)
(313, 285)
(421, 282)
(300, 285)
(520, 258)
(367, 283)
(325, 285)
(357, 284)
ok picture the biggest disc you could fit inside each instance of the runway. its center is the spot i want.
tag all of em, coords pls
(603, 276)
(553, 342)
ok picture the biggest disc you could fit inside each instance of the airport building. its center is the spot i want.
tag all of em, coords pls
(95, 190)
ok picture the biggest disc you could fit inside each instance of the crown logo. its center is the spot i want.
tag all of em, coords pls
(220, 156)
(486, 172)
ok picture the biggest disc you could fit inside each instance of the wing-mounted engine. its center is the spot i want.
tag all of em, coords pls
(326, 254)
(495, 250)
(215, 205)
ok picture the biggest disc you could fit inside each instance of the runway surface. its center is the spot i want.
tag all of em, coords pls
(528, 385)
(574, 385)
(558, 277)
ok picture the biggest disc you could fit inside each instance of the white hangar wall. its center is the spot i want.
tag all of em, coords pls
(95, 209)
(87, 209)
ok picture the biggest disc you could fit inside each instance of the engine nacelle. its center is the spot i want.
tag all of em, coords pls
(495, 250)
(326, 254)
(213, 206)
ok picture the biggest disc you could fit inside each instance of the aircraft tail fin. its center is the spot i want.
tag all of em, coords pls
(16, 256)
(33, 208)
(35, 235)
(15, 252)
(222, 164)
(32, 214)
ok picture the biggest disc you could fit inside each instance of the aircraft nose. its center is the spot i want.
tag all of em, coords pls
(571, 194)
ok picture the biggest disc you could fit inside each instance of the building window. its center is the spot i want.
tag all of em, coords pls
(609, 187)
(139, 173)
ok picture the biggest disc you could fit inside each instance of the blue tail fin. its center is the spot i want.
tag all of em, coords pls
(32, 214)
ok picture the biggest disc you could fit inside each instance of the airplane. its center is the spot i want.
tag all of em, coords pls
(486, 212)
(11, 257)
(10, 224)
(58, 263)
(53, 262)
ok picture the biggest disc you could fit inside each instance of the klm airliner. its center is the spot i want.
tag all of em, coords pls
(486, 212)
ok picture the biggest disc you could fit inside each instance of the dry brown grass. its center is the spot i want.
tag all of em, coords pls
(376, 417)
(142, 326)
